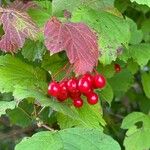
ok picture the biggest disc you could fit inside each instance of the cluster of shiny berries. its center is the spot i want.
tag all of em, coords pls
(75, 87)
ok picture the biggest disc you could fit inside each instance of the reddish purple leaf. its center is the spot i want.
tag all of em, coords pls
(19, 5)
(79, 42)
(17, 26)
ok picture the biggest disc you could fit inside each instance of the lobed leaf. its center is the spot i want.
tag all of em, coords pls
(4, 105)
(81, 138)
(138, 125)
(139, 52)
(113, 32)
(17, 26)
(77, 39)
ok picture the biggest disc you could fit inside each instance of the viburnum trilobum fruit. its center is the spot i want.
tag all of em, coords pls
(75, 94)
(74, 88)
(84, 85)
(78, 102)
(117, 68)
(53, 88)
(99, 81)
(63, 92)
(92, 98)
(72, 84)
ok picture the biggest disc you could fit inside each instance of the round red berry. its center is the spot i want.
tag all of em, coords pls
(63, 92)
(117, 68)
(99, 81)
(53, 88)
(84, 85)
(72, 85)
(92, 98)
(78, 102)
(89, 77)
(75, 94)
(62, 96)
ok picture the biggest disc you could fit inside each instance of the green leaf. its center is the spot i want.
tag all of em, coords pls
(53, 64)
(136, 35)
(6, 105)
(92, 119)
(13, 72)
(65, 122)
(22, 114)
(138, 125)
(146, 30)
(106, 94)
(113, 31)
(140, 53)
(58, 6)
(79, 115)
(121, 82)
(132, 66)
(143, 2)
(108, 70)
(81, 138)
(144, 103)
(33, 50)
(41, 14)
(146, 83)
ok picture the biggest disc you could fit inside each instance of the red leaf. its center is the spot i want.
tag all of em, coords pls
(79, 42)
(17, 26)
(19, 5)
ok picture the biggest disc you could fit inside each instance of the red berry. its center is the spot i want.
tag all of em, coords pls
(89, 78)
(72, 85)
(92, 98)
(63, 86)
(63, 93)
(62, 96)
(78, 102)
(117, 68)
(75, 94)
(84, 85)
(53, 88)
(99, 81)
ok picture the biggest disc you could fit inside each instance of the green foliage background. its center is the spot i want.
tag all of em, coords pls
(29, 119)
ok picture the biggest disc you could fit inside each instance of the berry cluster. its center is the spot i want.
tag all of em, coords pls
(75, 87)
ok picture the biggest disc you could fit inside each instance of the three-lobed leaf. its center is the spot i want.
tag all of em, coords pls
(17, 26)
(113, 32)
(138, 125)
(69, 139)
(77, 39)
